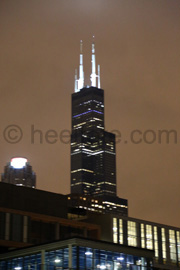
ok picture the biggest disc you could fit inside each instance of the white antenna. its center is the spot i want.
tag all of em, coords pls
(81, 72)
(94, 76)
(79, 83)
(93, 62)
(99, 81)
(76, 82)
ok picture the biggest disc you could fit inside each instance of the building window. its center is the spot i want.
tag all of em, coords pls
(132, 234)
(163, 235)
(142, 236)
(172, 246)
(56, 259)
(115, 231)
(16, 227)
(120, 231)
(178, 245)
(156, 242)
(2, 225)
(82, 258)
(149, 237)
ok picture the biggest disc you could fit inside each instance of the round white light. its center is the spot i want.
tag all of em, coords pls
(88, 253)
(18, 268)
(102, 267)
(18, 162)
(120, 258)
(57, 260)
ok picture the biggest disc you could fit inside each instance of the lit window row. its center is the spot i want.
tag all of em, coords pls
(169, 240)
(172, 246)
(79, 170)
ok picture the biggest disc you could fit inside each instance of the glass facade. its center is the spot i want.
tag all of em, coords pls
(156, 242)
(149, 237)
(82, 258)
(164, 241)
(120, 231)
(178, 246)
(143, 239)
(172, 246)
(163, 237)
(31, 262)
(132, 234)
(57, 259)
(115, 231)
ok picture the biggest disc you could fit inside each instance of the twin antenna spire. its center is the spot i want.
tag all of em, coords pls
(94, 78)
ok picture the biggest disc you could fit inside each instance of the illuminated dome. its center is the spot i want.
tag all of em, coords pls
(18, 162)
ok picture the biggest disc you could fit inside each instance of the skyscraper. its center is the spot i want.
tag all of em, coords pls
(93, 162)
(93, 153)
(19, 172)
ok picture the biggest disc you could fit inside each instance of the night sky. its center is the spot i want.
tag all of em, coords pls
(138, 48)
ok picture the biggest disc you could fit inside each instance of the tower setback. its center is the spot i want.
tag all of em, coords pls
(93, 149)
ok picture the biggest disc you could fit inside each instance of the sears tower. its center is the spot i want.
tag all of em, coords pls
(93, 154)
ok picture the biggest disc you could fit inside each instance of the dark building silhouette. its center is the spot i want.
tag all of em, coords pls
(32, 216)
(19, 172)
(93, 155)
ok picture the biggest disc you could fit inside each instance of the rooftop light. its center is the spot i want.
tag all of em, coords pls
(18, 162)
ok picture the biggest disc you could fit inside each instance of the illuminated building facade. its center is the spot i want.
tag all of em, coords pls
(93, 156)
(78, 204)
(77, 254)
(93, 153)
(33, 217)
(163, 239)
(19, 172)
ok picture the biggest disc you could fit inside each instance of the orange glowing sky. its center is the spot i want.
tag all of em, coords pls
(138, 48)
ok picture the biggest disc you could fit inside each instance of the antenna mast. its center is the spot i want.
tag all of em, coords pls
(94, 76)
(79, 83)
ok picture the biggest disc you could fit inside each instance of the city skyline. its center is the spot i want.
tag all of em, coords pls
(140, 65)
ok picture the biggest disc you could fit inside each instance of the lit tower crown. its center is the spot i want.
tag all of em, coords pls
(79, 83)
(19, 172)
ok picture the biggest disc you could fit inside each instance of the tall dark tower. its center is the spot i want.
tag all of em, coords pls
(19, 172)
(93, 155)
